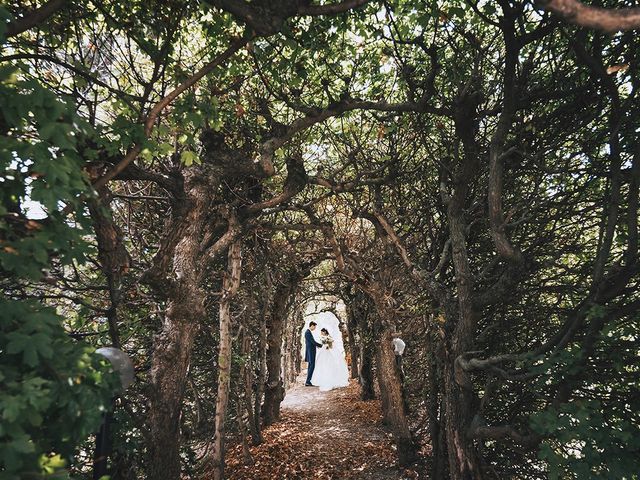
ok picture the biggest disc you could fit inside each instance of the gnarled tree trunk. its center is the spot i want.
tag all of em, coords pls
(173, 344)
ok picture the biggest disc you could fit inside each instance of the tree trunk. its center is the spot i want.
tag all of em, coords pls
(260, 383)
(244, 405)
(291, 357)
(460, 401)
(173, 344)
(382, 387)
(168, 372)
(287, 348)
(230, 285)
(358, 310)
(362, 310)
(393, 400)
(246, 376)
(367, 391)
(434, 411)
(464, 462)
(262, 355)
(352, 324)
(112, 255)
(297, 361)
(114, 263)
(274, 389)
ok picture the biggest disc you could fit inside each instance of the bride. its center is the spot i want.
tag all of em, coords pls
(331, 367)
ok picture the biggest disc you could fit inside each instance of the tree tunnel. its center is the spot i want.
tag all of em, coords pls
(189, 180)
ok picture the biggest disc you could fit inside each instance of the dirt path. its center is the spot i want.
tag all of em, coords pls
(322, 435)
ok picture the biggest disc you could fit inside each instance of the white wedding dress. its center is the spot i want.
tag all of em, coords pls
(331, 367)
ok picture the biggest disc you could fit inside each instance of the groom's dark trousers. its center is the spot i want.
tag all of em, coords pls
(310, 353)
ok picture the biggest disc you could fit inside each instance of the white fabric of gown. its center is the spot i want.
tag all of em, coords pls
(331, 368)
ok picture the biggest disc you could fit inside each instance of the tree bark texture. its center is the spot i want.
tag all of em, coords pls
(291, 355)
(352, 325)
(173, 344)
(261, 354)
(461, 317)
(464, 463)
(393, 400)
(274, 388)
(112, 255)
(247, 379)
(230, 285)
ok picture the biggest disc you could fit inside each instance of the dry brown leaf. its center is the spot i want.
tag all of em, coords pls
(617, 68)
(33, 225)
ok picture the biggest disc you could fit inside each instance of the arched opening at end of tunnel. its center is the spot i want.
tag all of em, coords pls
(325, 344)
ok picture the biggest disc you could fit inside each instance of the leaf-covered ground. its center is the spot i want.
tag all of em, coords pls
(322, 435)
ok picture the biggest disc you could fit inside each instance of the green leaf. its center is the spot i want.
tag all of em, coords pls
(164, 149)
(456, 12)
(189, 158)
(11, 408)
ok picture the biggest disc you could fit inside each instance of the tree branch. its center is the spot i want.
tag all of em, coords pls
(500, 432)
(422, 277)
(609, 20)
(269, 147)
(151, 119)
(496, 154)
(48, 58)
(37, 16)
(331, 9)
(234, 230)
(294, 184)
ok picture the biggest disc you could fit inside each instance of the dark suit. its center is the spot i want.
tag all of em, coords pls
(310, 352)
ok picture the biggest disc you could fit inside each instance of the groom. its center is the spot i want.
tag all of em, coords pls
(310, 351)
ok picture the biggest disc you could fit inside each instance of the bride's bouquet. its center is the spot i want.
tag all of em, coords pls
(327, 340)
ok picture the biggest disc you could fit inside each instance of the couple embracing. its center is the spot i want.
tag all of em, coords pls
(327, 364)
